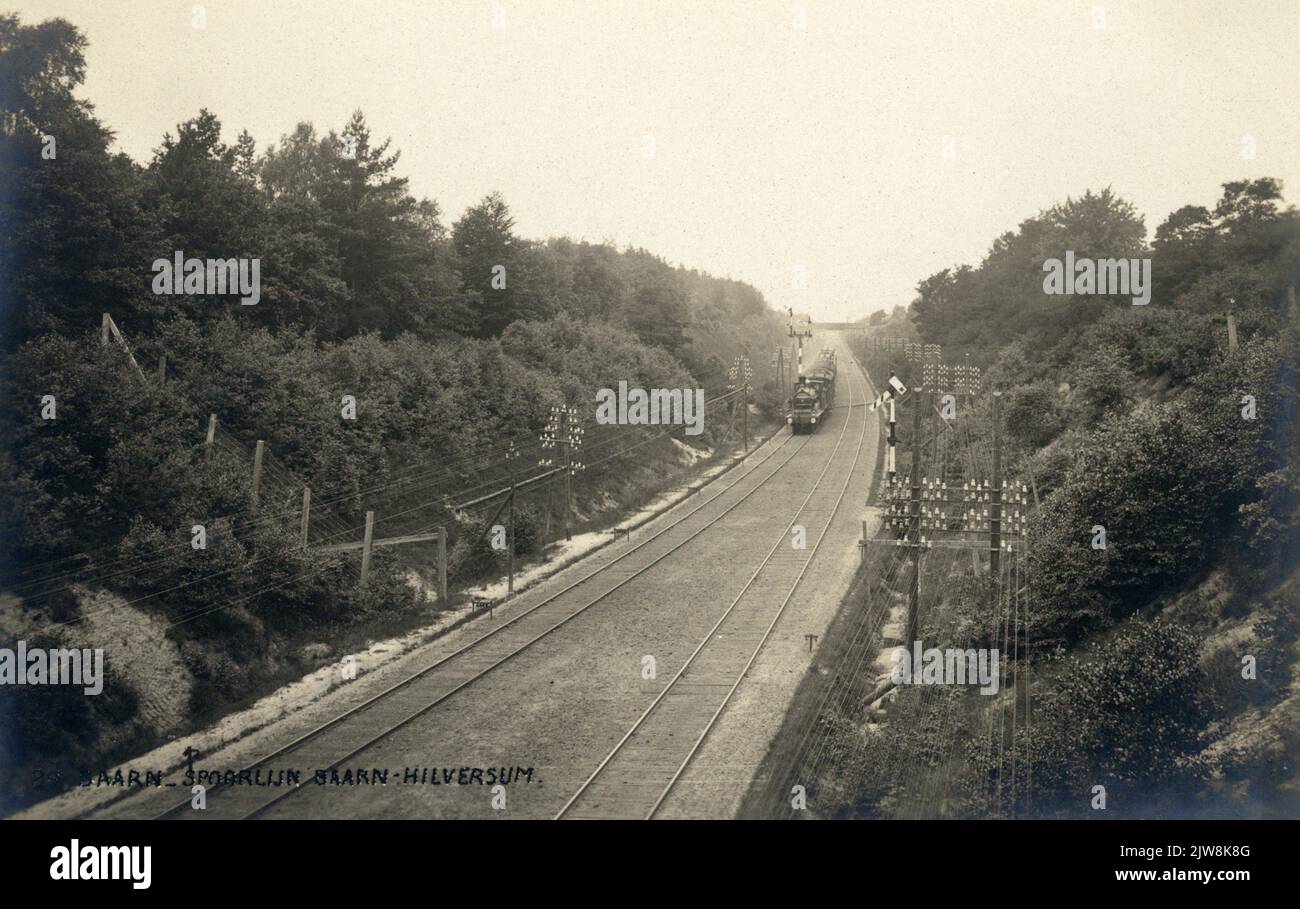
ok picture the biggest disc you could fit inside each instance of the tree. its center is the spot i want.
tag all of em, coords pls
(1033, 414)
(977, 308)
(361, 252)
(486, 250)
(656, 308)
(114, 449)
(598, 286)
(1182, 251)
(74, 242)
(206, 207)
(1171, 483)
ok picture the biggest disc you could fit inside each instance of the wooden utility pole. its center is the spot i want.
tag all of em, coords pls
(989, 508)
(511, 455)
(510, 541)
(212, 435)
(790, 377)
(739, 376)
(891, 466)
(995, 507)
(162, 369)
(995, 568)
(1232, 332)
(562, 429)
(366, 545)
(306, 513)
(568, 474)
(744, 415)
(442, 567)
(780, 372)
(257, 473)
(943, 378)
(914, 524)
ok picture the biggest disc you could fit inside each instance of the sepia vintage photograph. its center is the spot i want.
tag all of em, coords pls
(833, 410)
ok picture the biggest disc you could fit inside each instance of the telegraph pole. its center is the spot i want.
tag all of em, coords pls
(442, 567)
(995, 506)
(790, 378)
(568, 473)
(740, 375)
(959, 380)
(744, 414)
(258, 452)
(891, 466)
(914, 524)
(974, 515)
(306, 515)
(511, 455)
(778, 360)
(912, 350)
(366, 545)
(985, 510)
(211, 437)
(562, 429)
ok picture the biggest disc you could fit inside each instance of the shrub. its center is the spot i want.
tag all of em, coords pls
(1129, 714)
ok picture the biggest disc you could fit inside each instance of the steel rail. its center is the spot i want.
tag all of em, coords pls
(709, 636)
(767, 632)
(334, 721)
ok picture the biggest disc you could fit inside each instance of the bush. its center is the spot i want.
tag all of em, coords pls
(53, 732)
(1033, 414)
(1130, 714)
(1168, 483)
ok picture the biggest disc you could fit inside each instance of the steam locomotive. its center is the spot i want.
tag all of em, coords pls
(814, 395)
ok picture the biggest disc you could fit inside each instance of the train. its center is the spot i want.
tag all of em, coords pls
(814, 395)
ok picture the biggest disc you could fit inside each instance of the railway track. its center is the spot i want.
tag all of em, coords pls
(345, 736)
(637, 776)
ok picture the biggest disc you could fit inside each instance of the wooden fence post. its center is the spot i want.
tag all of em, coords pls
(365, 547)
(257, 471)
(212, 435)
(306, 513)
(442, 567)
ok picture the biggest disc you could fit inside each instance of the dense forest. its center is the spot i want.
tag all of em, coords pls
(453, 339)
(1146, 421)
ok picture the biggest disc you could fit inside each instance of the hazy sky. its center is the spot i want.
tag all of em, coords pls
(785, 134)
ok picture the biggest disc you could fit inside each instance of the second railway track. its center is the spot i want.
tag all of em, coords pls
(345, 736)
(406, 718)
(637, 776)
